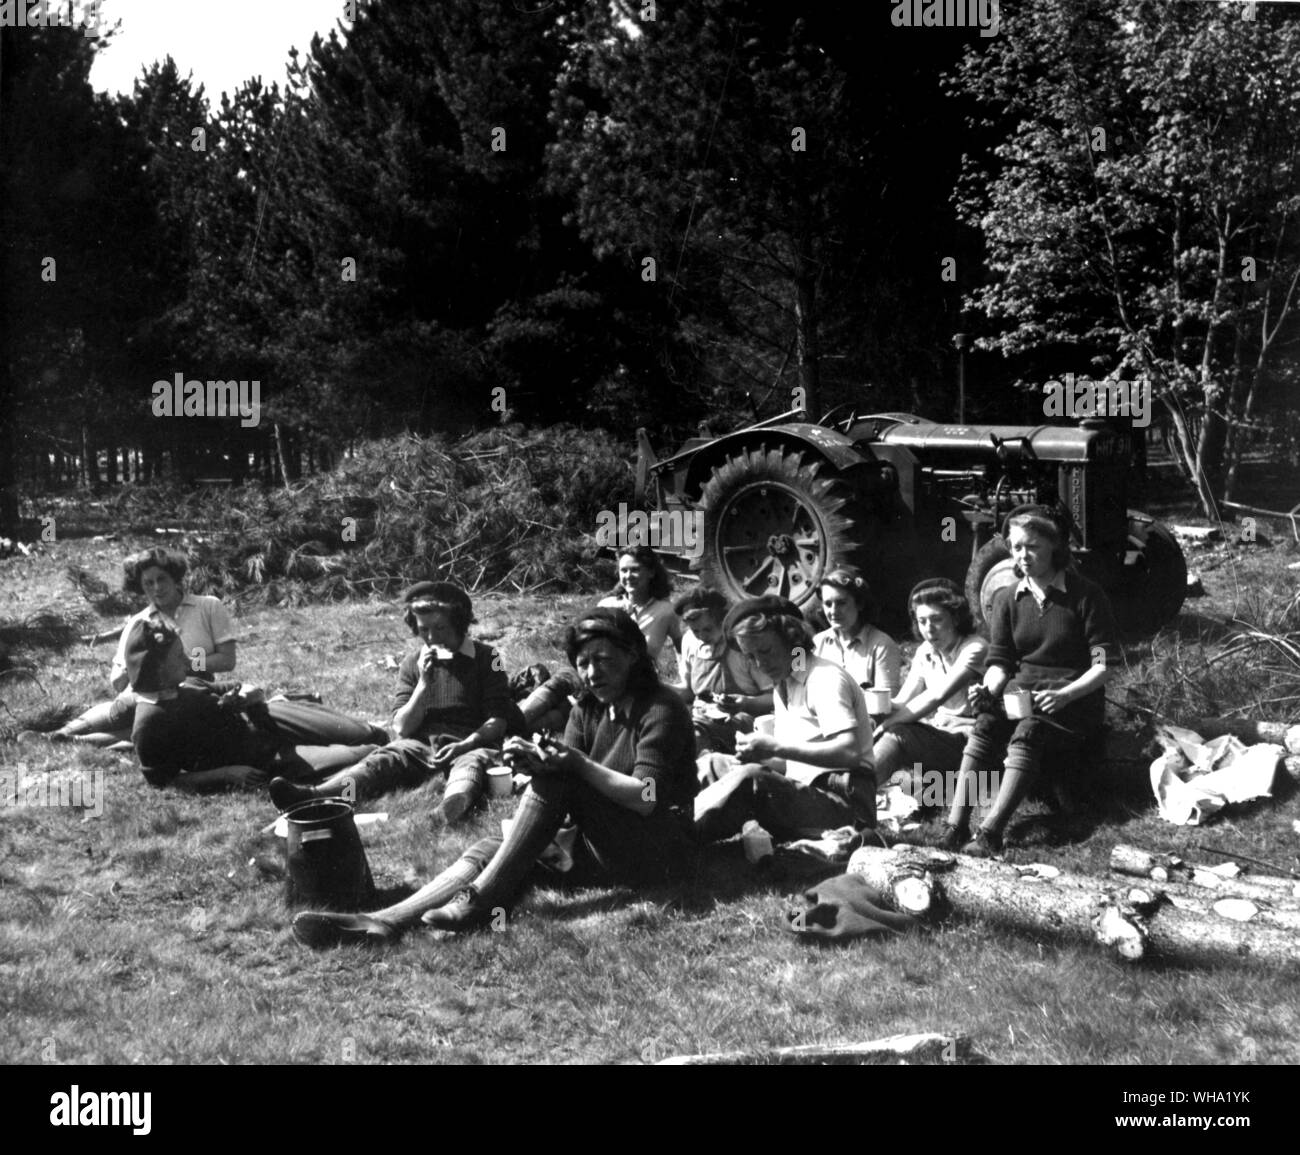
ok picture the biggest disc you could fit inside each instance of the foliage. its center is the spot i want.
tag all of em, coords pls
(507, 508)
(1142, 211)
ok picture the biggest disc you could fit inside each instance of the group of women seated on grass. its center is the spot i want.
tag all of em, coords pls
(770, 722)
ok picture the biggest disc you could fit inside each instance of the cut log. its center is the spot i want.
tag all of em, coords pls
(1175, 875)
(1134, 922)
(925, 1048)
(1285, 734)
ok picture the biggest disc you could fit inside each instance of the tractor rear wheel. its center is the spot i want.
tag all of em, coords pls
(1151, 590)
(775, 520)
(990, 571)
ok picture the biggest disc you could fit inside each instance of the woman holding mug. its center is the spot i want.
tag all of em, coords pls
(1054, 632)
(624, 774)
(204, 626)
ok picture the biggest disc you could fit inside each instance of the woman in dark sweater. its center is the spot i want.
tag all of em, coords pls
(625, 774)
(1054, 632)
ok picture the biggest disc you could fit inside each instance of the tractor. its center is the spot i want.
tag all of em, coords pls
(783, 500)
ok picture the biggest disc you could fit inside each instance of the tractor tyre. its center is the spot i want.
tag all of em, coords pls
(990, 571)
(1151, 590)
(776, 520)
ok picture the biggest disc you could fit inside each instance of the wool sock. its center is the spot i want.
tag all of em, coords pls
(964, 792)
(1016, 783)
(535, 823)
(433, 894)
(465, 783)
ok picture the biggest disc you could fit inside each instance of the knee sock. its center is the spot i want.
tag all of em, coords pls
(965, 792)
(1017, 779)
(536, 821)
(440, 891)
(465, 783)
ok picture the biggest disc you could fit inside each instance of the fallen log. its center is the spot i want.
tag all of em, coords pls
(1135, 922)
(924, 1048)
(1175, 874)
(1285, 734)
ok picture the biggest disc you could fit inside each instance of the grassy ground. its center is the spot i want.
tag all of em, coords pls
(145, 934)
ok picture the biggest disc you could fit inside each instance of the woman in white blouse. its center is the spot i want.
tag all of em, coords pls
(950, 658)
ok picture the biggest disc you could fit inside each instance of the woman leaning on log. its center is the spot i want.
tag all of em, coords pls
(624, 774)
(1054, 633)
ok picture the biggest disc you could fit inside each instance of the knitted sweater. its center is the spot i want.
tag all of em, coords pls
(1054, 644)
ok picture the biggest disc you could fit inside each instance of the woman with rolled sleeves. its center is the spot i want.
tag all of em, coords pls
(205, 630)
(870, 655)
(1054, 633)
(624, 774)
(931, 717)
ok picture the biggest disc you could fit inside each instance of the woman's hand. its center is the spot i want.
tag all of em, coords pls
(1051, 701)
(982, 699)
(452, 751)
(756, 747)
(542, 756)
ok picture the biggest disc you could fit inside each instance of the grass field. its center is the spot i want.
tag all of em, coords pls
(145, 934)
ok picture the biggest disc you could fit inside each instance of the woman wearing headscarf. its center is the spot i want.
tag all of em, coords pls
(624, 774)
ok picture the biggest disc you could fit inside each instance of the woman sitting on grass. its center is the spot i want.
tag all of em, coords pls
(625, 774)
(453, 707)
(202, 622)
(950, 657)
(1054, 631)
(869, 654)
(199, 735)
(642, 591)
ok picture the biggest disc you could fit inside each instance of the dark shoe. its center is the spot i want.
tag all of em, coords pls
(286, 794)
(464, 912)
(454, 808)
(952, 837)
(985, 844)
(319, 930)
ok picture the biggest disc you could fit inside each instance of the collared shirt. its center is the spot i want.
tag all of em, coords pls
(201, 620)
(719, 669)
(1025, 586)
(657, 619)
(871, 657)
(932, 667)
(815, 703)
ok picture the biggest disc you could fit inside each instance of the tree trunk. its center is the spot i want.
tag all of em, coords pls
(282, 453)
(1175, 875)
(1209, 456)
(1136, 922)
(806, 345)
(89, 463)
(110, 464)
(1283, 733)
